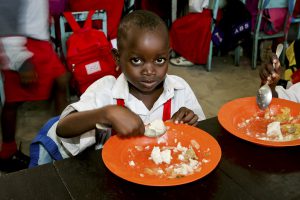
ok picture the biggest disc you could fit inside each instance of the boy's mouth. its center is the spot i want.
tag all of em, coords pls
(148, 83)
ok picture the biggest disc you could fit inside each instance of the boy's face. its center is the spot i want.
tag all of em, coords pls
(144, 58)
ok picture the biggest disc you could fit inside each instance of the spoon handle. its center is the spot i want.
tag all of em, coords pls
(279, 49)
(278, 52)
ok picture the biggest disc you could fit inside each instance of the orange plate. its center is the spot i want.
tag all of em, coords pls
(118, 152)
(236, 111)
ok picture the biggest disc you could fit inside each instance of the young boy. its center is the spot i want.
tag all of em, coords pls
(142, 93)
(268, 73)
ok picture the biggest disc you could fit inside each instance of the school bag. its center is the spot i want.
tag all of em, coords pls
(113, 8)
(47, 147)
(234, 28)
(89, 54)
(44, 148)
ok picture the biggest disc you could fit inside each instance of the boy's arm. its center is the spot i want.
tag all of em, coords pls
(121, 119)
(292, 94)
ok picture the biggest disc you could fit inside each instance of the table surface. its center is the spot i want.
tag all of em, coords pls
(246, 171)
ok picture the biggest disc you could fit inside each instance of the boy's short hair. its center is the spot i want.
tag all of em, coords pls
(141, 19)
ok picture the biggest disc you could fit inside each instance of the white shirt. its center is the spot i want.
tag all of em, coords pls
(292, 93)
(107, 90)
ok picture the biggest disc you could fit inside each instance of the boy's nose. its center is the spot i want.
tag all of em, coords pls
(148, 68)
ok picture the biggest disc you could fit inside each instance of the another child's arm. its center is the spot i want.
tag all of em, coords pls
(186, 116)
(270, 73)
(121, 119)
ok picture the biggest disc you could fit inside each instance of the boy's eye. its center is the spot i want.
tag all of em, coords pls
(136, 61)
(160, 61)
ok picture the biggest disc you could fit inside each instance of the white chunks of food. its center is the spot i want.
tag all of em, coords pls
(274, 125)
(185, 161)
(273, 130)
(155, 128)
(131, 163)
(159, 157)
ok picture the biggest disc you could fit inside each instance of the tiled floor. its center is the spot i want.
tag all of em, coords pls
(224, 83)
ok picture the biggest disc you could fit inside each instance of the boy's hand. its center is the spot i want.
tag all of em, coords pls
(125, 122)
(186, 116)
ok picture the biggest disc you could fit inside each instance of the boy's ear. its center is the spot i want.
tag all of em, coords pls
(116, 55)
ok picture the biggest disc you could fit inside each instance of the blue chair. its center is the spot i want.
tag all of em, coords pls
(257, 34)
(214, 5)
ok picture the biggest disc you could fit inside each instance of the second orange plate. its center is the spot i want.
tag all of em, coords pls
(234, 112)
(118, 152)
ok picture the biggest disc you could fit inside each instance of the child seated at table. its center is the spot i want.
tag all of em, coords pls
(272, 75)
(142, 93)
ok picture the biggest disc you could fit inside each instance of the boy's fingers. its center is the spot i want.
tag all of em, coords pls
(178, 117)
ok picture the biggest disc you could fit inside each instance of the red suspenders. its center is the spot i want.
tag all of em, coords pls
(120, 102)
(167, 110)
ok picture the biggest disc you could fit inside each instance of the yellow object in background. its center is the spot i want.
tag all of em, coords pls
(288, 74)
(290, 55)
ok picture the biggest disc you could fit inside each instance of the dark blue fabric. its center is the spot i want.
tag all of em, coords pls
(42, 140)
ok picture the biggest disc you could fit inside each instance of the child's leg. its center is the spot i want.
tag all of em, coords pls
(8, 123)
(60, 92)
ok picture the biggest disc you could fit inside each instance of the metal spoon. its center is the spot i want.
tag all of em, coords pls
(264, 94)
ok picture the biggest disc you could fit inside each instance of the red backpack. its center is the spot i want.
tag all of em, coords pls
(89, 54)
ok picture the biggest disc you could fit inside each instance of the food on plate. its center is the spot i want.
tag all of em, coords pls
(273, 130)
(171, 161)
(188, 161)
(131, 163)
(155, 128)
(161, 156)
(281, 126)
(292, 130)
